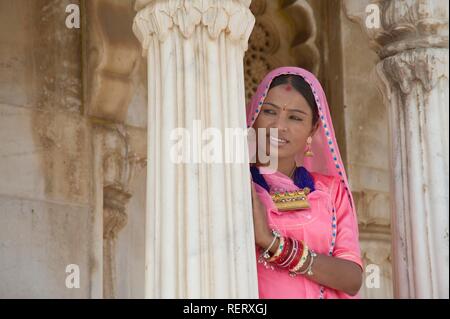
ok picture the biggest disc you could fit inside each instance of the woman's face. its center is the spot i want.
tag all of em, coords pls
(286, 110)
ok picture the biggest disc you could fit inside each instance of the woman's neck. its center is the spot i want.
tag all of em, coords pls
(285, 166)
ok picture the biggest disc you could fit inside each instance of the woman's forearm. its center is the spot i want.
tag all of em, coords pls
(336, 273)
(332, 272)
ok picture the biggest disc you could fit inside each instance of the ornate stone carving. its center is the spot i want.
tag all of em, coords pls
(284, 34)
(159, 17)
(424, 66)
(112, 56)
(405, 24)
(264, 42)
(119, 166)
(409, 41)
(411, 25)
(115, 217)
(304, 50)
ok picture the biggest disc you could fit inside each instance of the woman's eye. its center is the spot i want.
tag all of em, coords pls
(296, 118)
(272, 112)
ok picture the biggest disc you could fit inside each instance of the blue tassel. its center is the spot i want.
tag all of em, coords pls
(302, 178)
(258, 178)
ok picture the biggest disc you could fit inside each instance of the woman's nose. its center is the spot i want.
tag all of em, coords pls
(281, 124)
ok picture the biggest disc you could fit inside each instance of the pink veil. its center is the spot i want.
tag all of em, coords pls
(327, 159)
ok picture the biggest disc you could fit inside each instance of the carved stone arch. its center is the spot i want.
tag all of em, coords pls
(285, 33)
(304, 49)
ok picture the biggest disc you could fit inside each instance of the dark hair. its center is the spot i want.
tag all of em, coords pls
(300, 85)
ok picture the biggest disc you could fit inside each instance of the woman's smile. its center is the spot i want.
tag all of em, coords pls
(277, 142)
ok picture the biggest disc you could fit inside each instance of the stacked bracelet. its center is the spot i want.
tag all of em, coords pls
(301, 262)
(265, 256)
(291, 254)
(298, 255)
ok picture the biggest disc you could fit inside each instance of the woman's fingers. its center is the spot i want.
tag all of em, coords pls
(254, 195)
(253, 192)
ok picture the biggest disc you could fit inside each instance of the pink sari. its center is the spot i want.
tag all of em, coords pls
(330, 225)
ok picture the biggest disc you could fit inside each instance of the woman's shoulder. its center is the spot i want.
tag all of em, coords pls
(324, 178)
(324, 182)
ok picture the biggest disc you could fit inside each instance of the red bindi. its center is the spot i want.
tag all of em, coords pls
(288, 88)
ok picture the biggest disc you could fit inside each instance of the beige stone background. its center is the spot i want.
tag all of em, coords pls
(73, 137)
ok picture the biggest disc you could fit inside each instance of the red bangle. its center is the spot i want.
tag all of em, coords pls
(286, 251)
(292, 254)
(297, 256)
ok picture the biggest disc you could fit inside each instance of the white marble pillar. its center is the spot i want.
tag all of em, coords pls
(199, 230)
(419, 137)
(412, 42)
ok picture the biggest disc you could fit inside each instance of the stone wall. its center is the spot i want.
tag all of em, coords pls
(46, 199)
(66, 164)
(367, 153)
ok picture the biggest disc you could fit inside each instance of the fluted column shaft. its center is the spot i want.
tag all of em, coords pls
(199, 234)
(412, 42)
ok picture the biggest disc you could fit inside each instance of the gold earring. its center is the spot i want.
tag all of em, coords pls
(309, 152)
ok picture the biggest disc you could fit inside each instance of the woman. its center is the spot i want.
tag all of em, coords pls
(305, 224)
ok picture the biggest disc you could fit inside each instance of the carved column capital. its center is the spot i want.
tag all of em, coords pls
(404, 24)
(412, 24)
(159, 17)
(412, 40)
(424, 66)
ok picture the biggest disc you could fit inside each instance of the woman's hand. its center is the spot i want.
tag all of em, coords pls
(263, 234)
